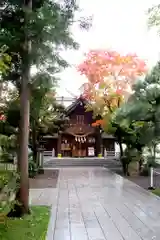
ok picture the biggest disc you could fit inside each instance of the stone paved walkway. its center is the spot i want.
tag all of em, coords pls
(95, 204)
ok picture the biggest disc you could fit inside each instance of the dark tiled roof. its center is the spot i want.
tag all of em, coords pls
(73, 106)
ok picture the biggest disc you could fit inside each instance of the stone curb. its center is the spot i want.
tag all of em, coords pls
(52, 222)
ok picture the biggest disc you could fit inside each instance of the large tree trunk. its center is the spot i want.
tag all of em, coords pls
(24, 135)
(24, 119)
(23, 193)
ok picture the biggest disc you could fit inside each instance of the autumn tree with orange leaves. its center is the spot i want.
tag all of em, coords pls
(110, 76)
(109, 80)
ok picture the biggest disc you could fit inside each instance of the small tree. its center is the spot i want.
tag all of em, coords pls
(139, 117)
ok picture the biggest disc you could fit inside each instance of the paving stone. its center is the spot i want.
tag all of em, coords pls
(78, 233)
(94, 204)
(95, 233)
(62, 234)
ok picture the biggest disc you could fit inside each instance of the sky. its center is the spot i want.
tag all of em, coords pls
(120, 25)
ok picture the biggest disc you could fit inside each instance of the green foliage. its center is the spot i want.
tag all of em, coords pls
(139, 117)
(49, 33)
(52, 116)
(154, 17)
(7, 148)
(8, 189)
(156, 191)
(5, 60)
(5, 176)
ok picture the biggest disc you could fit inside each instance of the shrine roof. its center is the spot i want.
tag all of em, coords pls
(75, 104)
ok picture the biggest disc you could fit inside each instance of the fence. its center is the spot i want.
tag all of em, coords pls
(112, 154)
(8, 166)
(47, 153)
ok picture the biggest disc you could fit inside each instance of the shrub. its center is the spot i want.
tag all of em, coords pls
(8, 192)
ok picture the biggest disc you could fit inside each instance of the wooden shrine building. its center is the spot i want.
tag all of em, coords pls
(79, 139)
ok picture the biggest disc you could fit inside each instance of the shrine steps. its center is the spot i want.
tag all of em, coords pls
(50, 162)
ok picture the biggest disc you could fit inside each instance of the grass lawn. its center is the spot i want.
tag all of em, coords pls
(30, 227)
(156, 191)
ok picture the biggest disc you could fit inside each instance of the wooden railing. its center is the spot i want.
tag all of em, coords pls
(8, 166)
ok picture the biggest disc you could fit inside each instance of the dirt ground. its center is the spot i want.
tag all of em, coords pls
(142, 181)
(47, 180)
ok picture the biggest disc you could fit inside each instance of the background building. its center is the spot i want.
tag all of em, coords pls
(79, 138)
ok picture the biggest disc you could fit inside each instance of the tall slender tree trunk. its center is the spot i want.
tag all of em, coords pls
(24, 114)
(23, 193)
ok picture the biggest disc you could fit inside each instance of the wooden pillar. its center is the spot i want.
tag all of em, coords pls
(59, 152)
(98, 141)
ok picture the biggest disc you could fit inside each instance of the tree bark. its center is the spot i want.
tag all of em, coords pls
(24, 115)
(23, 193)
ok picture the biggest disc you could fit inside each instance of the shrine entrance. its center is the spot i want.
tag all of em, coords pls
(79, 148)
(83, 146)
